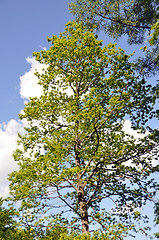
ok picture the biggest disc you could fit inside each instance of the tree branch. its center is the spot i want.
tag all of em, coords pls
(133, 24)
(94, 151)
(60, 196)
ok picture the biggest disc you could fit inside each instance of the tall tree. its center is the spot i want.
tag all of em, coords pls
(117, 18)
(135, 19)
(75, 154)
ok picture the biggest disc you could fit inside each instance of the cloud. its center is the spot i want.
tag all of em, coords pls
(8, 143)
(29, 86)
(135, 133)
(9, 131)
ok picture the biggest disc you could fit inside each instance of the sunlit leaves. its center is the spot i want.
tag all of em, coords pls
(75, 138)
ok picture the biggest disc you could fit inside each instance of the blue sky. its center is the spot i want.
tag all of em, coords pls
(24, 25)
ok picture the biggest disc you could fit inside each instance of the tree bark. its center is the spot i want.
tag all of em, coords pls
(83, 209)
(80, 192)
(80, 186)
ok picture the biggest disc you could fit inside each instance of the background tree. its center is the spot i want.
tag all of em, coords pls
(149, 64)
(8, 226)
(117, 18)
(157, 217)
(75, 156)
(135, 19)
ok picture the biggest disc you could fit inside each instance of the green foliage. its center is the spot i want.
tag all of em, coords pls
(157, 212)
(157, 217)
(150, 63)
(75, 154)
(118, 17)
(157, 235)
(154, 41)
(155, 34)
(8, 226)
(53, 234)
(134, 18)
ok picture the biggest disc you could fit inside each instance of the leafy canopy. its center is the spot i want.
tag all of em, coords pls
(123, 17)
(135, 19)
(75, 155)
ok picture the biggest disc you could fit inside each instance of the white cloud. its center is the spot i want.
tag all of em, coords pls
(9, 131)
(8, 143)
(137, 135)
(29, 86)
(129, 130)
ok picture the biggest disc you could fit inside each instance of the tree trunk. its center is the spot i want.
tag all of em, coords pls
(80, 186)
(83, 209)
(80, 192)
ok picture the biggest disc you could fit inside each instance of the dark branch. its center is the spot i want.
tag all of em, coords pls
(133, 24)
(60, 196)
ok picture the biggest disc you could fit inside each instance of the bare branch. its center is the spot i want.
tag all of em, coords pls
(71, 184)
(60, 196)
(137, 155)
